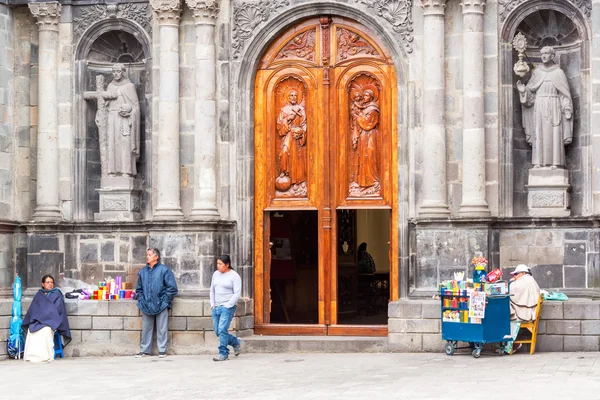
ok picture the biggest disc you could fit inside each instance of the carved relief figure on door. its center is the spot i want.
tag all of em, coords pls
(292, 130)
(364, 122)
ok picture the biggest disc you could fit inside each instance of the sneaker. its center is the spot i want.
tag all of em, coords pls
(237, 350)
(220, 358)
(162, 355)
(140, 355)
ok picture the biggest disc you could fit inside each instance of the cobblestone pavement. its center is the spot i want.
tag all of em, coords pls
(308, 376)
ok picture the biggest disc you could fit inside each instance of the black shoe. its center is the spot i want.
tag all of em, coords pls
(162, 355)
(237, 350)
(140, 355)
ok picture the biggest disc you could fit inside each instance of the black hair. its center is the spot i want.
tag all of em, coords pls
(362, 247)
(46, 277)
(225, 259)
(156, 252)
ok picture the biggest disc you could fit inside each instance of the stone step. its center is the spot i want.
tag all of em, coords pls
(315, 344)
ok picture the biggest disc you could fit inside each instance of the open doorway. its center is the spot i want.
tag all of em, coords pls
(294, 275)
(363, 266)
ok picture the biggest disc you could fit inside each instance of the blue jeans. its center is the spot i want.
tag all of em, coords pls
(222, 317)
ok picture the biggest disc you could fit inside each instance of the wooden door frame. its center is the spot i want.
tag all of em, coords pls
(327, 215)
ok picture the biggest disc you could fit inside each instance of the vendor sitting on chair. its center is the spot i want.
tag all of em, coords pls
(525, 294)
(46, 314)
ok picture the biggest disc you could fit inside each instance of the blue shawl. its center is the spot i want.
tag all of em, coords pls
(47, 309)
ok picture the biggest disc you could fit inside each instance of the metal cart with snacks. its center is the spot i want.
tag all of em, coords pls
(458, 326)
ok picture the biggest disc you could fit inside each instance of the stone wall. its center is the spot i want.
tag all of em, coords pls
(6, 112)
(415, 326)
(92, 254)
(563, 255)
(113, 328)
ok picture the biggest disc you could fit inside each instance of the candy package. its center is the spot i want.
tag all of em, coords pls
(494, 275)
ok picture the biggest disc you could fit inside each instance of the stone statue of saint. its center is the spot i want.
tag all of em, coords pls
(291, 126)
(547, 112)
(123, 124)
(364, 120)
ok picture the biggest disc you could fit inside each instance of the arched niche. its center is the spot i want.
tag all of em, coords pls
(101, 46)
(565, 27)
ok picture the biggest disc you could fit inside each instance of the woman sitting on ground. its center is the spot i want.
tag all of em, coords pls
(46, 314)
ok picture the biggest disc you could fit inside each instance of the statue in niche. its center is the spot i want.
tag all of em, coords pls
(547, 112)
(292, 129)
(123, 124)
(364, 121)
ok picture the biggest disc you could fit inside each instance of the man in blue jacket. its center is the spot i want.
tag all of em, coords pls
(155, 290)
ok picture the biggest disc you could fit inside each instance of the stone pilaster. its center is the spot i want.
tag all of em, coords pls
(48, 18)
(168, 13)
(473, 187)
(434, 203)
(205, 111)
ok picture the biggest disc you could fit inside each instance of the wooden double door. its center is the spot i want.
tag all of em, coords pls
(325, 141)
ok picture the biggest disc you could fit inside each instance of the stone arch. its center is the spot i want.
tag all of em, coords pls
(86, 167)
(511, 156)
(242, 120)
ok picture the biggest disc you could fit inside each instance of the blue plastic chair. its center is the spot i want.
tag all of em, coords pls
(58, 346)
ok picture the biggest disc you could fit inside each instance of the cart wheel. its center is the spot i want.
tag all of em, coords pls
(449, 348)
(476, 353)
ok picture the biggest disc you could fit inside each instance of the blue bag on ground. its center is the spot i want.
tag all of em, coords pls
(16, 341)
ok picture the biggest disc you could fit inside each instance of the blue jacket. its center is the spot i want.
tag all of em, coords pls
(156, 288)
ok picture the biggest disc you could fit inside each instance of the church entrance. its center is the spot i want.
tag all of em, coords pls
(326, 219)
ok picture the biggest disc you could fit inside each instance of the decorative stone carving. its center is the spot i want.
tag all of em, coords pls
(350, 44)
(119, 205)
(433, 7)
(292, 130)
(85, 16)
(398, 13)
(302, 46)
(167, 11)
(505, 7)
(547, 112)
(205, 11)
(247, 16)
(520, 45)
(472, 6)
(47, 14)
(364, 121)
(548, 192)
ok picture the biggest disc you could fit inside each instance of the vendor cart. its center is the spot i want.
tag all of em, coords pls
(493, 328)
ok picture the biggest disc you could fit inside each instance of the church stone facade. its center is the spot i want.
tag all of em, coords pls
(467, 182)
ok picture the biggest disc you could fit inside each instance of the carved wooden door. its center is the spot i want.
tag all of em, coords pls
(325, 139)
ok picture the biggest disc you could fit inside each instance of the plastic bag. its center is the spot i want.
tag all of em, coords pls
(70, 284)
(494, 275)
(557, 296)
(15, 346)
(17, 289)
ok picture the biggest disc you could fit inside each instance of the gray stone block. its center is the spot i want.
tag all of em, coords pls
(88, 252)
(188, 308)
(38, 243)
(433, 343)
(550, 343)
(80, 322)
(207, 310)
(575, 253)
(110, 323)
(563, 327)
(405, 309)
(188, 339)
(95, 337)
(431, 310)
(413, 325)
(582, 310)
(177, 324)
(246, 322)
(577, 235)
(548, 276)
(552, 310)
(108, 251)
(575, 277)
(581, 343)
(590, 328)
(123, 308)
(199, 324)
(124, 340)
(132, 323)
(93, 307)
(405, 343)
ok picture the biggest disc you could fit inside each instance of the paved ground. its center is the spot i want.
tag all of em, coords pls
(309, 376)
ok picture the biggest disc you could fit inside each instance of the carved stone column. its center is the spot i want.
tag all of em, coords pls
(168, 206)
(205, 111)
(473, 188)
(434, 196)
(48, 18)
